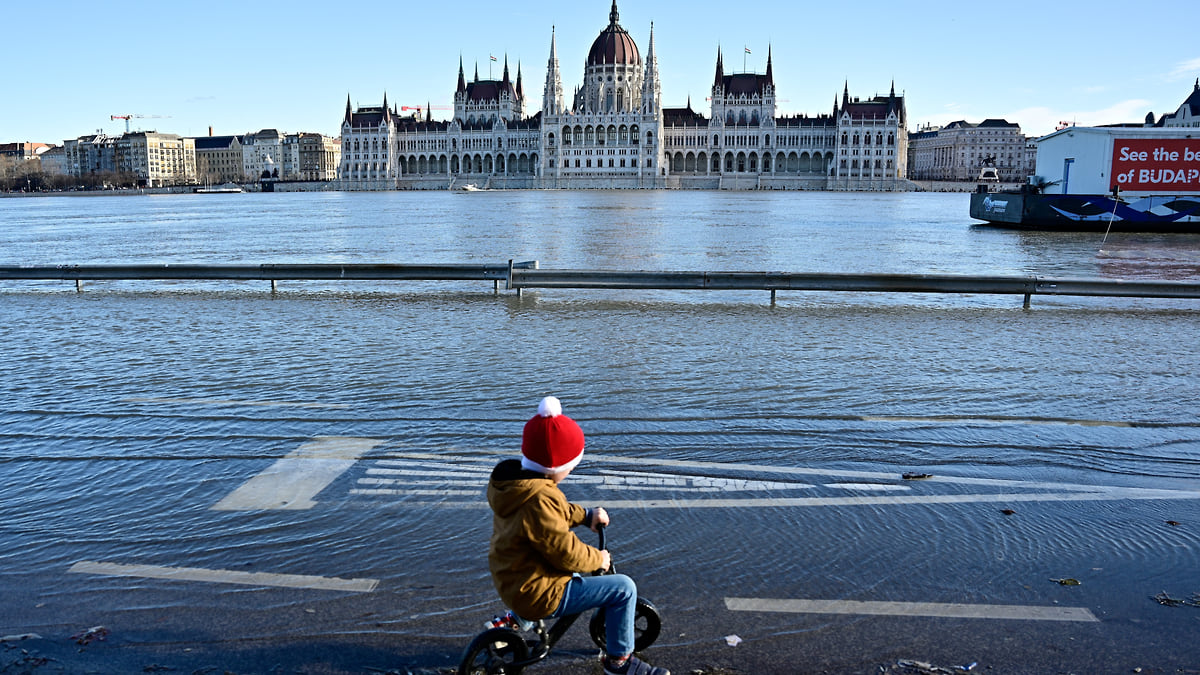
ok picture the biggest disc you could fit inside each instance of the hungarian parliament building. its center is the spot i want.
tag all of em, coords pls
(615, 133)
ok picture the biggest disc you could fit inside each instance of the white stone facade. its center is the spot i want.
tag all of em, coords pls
(960, 150)
(614, 132)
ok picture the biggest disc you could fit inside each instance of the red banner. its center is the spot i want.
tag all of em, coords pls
(1166, 165)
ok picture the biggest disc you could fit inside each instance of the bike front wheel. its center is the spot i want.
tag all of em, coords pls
(496, 651)
(647, 624)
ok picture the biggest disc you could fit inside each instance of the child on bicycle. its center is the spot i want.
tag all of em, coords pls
(538, 564)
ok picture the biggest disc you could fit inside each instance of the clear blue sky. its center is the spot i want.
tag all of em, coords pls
(244, 66)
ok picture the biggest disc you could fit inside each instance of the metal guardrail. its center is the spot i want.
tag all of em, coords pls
(270, 272)
(870, 283)
(521, 275)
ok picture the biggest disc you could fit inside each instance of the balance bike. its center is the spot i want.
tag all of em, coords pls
(504, 650)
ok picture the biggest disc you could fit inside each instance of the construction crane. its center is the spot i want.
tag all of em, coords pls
(129, 117)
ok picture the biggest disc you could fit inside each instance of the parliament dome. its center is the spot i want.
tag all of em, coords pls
(614, 45)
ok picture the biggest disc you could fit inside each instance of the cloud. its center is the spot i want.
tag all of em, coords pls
(1185, 70)
(1039, 121)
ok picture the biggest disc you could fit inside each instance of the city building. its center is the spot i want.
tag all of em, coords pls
(960, 150)
(157, 159)
(219, 160)
(262, 151)
(1186, 115)
(614, 132)
(91, 154)
(319, 156)
(54, 161)
(22, 152)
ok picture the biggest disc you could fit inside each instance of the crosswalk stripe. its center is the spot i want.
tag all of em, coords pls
(224, 576)
(293, 482)
(934, 609)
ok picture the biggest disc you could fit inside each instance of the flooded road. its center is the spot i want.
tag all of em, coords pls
(226, 478)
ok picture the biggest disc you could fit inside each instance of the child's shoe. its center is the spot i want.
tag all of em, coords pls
(631, 665)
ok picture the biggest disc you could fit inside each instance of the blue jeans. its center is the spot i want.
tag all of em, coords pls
(617, 594)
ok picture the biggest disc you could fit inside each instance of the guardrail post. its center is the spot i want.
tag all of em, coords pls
(79, 285)
(1027, 296)
(273, 287)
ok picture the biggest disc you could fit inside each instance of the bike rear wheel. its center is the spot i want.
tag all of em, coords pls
(647, 624)
(494, 652)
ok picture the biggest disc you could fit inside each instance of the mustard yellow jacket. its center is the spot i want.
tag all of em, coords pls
(533, 551)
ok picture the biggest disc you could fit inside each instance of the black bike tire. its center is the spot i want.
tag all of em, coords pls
(643, 636)
(514, 650)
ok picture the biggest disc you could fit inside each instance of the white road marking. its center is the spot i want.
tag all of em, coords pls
(994, 420)
(225, 576)
(232, 402)
(683, 491)
(698, 483)
(935, 609)
(293, 481)
(424, 493)
(1113, 494)
(868, 487)
(439, 466)
(410, 481)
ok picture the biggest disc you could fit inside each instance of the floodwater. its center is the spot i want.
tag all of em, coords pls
(131, 409)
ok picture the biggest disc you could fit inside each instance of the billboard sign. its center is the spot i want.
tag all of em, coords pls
(1165, 165)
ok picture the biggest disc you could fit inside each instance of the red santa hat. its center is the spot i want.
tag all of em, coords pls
(552, 442)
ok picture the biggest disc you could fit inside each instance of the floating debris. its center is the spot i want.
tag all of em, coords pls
(1007, 512)
(1174, 523)
(1067, 582)
(733, 640)
(90, 635)
(22, 636)
(1164, 599)
(926, 668)
(917, 476)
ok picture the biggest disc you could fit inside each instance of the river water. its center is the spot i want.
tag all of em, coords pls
(130, 408)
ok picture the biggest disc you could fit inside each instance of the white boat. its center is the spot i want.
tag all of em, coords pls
(469, 187)
(226, 188)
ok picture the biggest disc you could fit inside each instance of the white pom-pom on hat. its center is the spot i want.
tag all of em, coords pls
(550, 407)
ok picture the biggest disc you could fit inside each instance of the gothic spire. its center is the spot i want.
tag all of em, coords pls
(720, 69)
(552, 94)
(506, 81)
(651, 88)
(770, 77)
(462, 81)
(613, 16)
(347, 118)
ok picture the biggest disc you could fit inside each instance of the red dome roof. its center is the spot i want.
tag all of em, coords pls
(614, 45)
